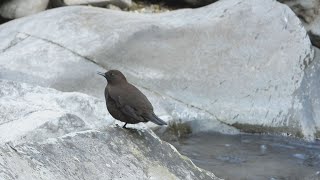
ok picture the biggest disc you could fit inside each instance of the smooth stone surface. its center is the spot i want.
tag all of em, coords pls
(232, 62)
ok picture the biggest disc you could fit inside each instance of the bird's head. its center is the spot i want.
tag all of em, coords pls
(114, 77)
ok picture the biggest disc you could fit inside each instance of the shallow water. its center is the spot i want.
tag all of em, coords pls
(253, 157)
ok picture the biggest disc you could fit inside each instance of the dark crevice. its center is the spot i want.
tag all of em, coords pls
(315, 39)
(168, 4)
(178, 4)
(4, 20)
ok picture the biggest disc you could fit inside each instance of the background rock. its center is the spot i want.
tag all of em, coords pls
(197, 3)
(98, 3)
(309, 13)
(12, 9)
(3, 20)
(47, 134)
(232, 63)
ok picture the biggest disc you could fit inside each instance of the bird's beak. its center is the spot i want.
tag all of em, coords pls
(102, 74)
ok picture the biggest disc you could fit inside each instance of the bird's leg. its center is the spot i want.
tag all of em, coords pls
(124, 126)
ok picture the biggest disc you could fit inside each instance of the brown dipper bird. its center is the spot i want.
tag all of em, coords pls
(127, 103)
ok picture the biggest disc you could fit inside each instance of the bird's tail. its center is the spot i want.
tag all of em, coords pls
(153, 118)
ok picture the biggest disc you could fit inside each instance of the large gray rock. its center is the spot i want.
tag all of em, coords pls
(233, 63)
(46, 134)
(13, 9)
(309, 13)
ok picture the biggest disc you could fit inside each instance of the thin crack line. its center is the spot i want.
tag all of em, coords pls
(193, 106)
(59, 45)
(12, 147)
(12, 43)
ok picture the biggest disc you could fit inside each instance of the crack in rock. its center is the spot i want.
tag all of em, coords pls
(59, 45)
(16, 40)
(189, 105)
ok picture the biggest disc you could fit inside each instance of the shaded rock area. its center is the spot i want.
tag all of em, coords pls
(309, 97)
(198, 3)
(3, 20)
(228, 63)
(98, 3)
(12, 9)
(47, 134)
(144, 6)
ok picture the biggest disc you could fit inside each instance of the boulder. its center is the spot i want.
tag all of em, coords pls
(47, 134)
(230, 64)
(12, 9)
(309, 13)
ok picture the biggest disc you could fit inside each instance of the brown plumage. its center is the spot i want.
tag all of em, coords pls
(127, 103)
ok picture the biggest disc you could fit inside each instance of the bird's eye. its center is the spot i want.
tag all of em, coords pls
(112, 74)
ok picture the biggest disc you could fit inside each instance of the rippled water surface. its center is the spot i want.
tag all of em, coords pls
(253, 157)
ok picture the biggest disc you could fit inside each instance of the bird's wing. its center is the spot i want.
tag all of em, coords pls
(131, 101)
(128, 110)
(130, 96)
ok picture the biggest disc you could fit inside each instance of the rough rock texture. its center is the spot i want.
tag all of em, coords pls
(23, 108)
(47, 134)
(100, 3)
(13, 9)
(309, 13)
(228, 63)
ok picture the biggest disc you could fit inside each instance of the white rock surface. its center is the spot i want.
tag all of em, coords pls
(47, 134)
(13, 9)
(23, 108)
(230, 62)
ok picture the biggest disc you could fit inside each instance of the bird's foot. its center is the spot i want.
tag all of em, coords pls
(124, 126)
